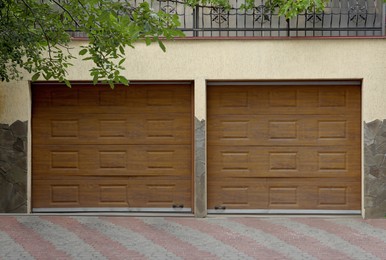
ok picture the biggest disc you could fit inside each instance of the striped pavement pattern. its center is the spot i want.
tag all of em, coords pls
(215, 237)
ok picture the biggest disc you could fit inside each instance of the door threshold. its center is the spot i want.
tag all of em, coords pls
(283, 212)
(113, 211)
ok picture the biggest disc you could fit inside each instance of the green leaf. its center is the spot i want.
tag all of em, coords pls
(121, 61)
(95, 79)
(162, 46)
(148, 40)
(111, 84)
(121, 49)
(83, 52)
(35, 76)
(48, 75)
(68, 84)
(123, 80)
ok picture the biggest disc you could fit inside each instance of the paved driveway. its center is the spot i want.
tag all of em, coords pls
(218, 237)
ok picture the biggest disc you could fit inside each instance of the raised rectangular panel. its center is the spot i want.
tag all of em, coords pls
(113, 193)
(67, 97)
(282, 161)
(111, 97)
(332, 98)
(283, 98)
(159, 97)
(65, 160)
(283, 196)
(65, 194)
(332, 196)
(234, 196)
(332, 161)
(234, 99)
(282, 129)
(235, 161)
(160, 128)
(160, 160)
(234, 129)
(112, 159)
(112, 128)
(332, 129)
(64, 128)
(160, 194)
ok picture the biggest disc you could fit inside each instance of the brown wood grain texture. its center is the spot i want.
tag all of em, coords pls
(97, 147)
(284, 147)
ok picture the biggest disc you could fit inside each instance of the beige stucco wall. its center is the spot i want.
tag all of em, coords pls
(14, 101)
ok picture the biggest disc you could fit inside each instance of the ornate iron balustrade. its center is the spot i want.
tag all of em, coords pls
(358, 18)
(339, 18)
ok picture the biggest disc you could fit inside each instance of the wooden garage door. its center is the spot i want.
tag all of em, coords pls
(98, 148)
(284, 147)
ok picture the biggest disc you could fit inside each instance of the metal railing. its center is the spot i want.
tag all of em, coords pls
(339, 18)
(345, 18)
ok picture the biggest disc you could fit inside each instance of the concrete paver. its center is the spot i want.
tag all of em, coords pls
(215, 237)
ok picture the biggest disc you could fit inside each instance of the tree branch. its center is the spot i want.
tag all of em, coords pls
(65, 10)
(42, 27)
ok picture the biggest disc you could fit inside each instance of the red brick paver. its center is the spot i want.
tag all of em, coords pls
(100, 242)
(34, 237)
(304, 243)
(36, 245)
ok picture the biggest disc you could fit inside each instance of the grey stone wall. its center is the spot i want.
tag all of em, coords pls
(375, 169)
(13, 167)
(200, 191)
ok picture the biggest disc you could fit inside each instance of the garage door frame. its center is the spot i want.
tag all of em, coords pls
(129, 209)
(343, 82)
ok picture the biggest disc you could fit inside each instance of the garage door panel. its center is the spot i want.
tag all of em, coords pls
(107, 110)
(161, 160)
(111, 160)
(252, 161)
(283, 130)
(284, 193)
(237, 193)
(282, 100)
(161, 193)
(112, 128)
(232, 130)
(108, 192)
(314, 193)
(123, 100)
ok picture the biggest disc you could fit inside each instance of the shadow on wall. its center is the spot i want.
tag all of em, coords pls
(13, 167)
(375, 168)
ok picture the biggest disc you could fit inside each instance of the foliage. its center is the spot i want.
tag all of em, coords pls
(34, 33)
(33, 36)
(290, 9)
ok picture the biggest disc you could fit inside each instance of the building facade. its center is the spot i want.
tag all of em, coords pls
(274, 118)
